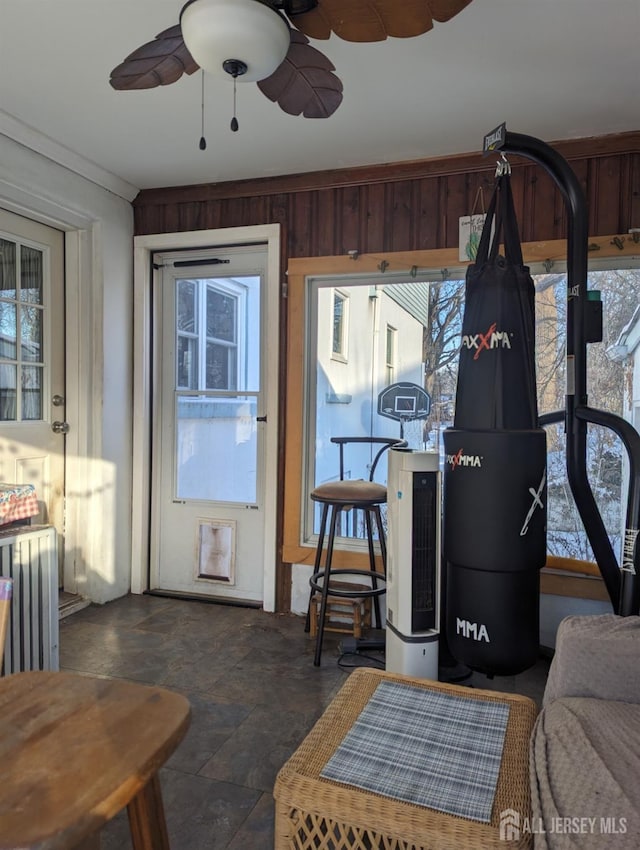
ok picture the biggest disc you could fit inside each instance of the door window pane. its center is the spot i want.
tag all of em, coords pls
(220, 367)
(216, 448)
(8, 330)
(221, 315)
(187, 306)
(207, 330)
(187, 363)
(7, 269)
(8, 400)
(32, 392)
(31, 270)
(31, 332)
(22, 321)
(218, 353)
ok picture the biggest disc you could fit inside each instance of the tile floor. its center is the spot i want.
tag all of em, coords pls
(254, 694)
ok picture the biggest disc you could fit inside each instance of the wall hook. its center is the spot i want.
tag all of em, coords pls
(383, 266)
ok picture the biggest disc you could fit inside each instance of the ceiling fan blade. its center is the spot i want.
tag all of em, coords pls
(157, 63)
(375, 20)
(303, 82)
(444, 10)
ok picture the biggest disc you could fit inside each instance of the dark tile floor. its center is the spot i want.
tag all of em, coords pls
(254, 694)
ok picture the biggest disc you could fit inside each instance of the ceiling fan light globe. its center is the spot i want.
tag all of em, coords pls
(247, 30)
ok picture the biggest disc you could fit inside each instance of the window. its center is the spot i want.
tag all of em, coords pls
(340, 326)
(390, 366)
(612, 384)
(21, 332)
(609, 370)
(207, 334)
(387, 330)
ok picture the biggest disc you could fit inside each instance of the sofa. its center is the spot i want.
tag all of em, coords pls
(585, 746)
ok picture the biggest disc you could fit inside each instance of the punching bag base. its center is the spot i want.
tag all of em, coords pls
(493, 619)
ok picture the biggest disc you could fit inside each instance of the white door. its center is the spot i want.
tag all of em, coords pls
(32, 412)
(208, 517)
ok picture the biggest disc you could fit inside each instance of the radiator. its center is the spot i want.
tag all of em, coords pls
(28, 555)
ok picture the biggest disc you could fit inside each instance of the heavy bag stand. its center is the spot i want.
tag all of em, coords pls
(621, 580)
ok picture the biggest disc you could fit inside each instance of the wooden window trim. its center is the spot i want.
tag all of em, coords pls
(554, 578)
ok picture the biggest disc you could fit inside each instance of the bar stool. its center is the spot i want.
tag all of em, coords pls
(342, 496)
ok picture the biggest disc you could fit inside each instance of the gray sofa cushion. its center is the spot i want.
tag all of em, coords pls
(596, 656)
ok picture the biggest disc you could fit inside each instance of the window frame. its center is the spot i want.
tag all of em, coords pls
(228, 288)
(300, 270)
(342, 352)
(391, 353)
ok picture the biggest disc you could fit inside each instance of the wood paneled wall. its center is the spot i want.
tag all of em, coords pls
(404, 206)
(399, 207)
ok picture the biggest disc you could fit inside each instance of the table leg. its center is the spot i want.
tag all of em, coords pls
(146, 818)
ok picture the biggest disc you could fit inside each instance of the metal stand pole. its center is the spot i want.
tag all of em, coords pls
(621, 580)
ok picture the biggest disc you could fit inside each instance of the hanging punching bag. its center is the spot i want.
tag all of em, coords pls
(494, 536)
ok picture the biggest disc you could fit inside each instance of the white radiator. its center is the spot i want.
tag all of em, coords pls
(28, 555)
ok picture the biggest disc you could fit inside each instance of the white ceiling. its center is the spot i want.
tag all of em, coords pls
(554, 69)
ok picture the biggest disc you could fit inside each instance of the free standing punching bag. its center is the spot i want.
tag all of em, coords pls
(494, 536)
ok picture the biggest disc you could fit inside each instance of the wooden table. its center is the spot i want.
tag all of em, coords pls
(75, 750)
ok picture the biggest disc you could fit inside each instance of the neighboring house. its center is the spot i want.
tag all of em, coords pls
(368, 337)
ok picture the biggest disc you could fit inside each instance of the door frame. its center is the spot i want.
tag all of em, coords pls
(144, 248)
(79, 270)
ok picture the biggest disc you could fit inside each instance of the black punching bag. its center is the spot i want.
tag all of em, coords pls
(494, 537)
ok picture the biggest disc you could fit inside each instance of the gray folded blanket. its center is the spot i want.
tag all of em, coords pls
(585, 746)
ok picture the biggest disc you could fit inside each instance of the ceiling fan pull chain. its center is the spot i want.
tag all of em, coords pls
(203, 141)
(234, 120)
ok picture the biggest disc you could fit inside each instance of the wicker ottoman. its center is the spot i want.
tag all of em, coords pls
(315, 813)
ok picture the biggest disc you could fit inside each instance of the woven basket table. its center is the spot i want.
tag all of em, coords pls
(313, 813)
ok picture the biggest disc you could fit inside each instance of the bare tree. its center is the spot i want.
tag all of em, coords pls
(620, 294)
(442, 347)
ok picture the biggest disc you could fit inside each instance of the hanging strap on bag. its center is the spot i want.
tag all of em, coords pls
(501, 210)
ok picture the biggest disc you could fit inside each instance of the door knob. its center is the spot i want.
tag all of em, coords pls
(60, 427)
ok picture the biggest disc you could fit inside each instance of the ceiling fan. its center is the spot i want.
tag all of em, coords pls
(267, 41)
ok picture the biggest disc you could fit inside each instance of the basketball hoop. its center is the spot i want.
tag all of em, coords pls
(409, 404)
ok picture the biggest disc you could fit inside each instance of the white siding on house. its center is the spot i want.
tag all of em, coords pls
(347, 391)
